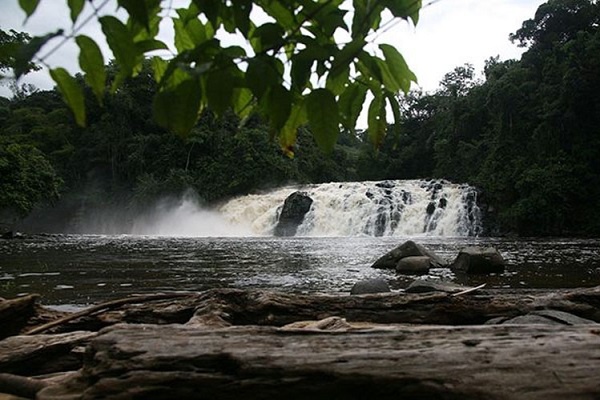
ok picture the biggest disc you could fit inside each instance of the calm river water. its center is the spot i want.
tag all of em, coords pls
(83, 269)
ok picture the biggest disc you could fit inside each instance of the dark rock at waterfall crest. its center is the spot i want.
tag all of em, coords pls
(417, 253)
(13, 235)
(294, 209)
(370, 286)
(479, 260)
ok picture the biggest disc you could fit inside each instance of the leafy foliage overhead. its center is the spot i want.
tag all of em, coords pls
(294, 69)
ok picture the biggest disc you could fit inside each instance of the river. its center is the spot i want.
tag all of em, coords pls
(78, 270)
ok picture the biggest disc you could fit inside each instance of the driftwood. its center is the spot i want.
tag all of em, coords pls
(233, 343)
(475, 362)
(103, 308)
(20, 386)
(43, 354)
(15, 313)
(256, 307)
(226, 307)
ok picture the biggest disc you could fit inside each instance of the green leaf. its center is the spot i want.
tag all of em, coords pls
(267, 36)
(279, 106)
(322, 112)
(146, 46)
(282, 14)
(241, 15)
(368, 66)
(29, 6)
(91, 62)
(159, 67)
(140, 10)
(71, 92)
(395, 108)
(376, 120)
(390, 81)
(337, 79)
(404, 9)
(177, 109)
(367, 16)
(242, 102)
(210, 8)
(301, 69)
(347, 54)
(219, 90)
(289, 132)
(190, 34)
(76, 6)
(330, 18)
(262, 73)
(121, 44)
(188, 14)
(234, 52)
(398, 67)
(26, 52)
(351, 103)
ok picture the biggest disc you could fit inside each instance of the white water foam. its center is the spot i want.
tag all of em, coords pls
(388, 208)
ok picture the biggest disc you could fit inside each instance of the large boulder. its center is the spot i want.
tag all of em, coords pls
(414, 265)
(369, 286)
(407, 249)
(294, 209)
(479, 260)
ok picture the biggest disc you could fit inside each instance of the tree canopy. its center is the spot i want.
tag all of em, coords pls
(307, 61)
(526, 134)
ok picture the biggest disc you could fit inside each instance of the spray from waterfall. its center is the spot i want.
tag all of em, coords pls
(186, 218)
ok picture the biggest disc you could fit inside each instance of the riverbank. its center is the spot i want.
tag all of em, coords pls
(233, 343)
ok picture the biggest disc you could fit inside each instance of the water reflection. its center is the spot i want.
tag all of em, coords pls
(78, 269)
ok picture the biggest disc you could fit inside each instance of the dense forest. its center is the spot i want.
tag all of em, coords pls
(526, 134)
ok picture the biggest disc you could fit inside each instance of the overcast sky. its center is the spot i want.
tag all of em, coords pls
(450, 33)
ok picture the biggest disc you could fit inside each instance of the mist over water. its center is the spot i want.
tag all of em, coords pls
(187, 218)
(176, 217)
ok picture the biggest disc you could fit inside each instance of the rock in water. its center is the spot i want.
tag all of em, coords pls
(294, 209)
(418, 265)
(376, 285)
(479, 260)
(407, 249)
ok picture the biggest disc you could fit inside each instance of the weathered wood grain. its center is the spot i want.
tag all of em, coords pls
(43, 354)
(402, 361)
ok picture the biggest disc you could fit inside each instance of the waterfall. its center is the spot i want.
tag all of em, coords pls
(386, 208)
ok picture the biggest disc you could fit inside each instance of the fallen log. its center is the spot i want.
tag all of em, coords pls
(43, 354)
(474, 362)
(226, 307)
(109, 305)
(233, 343)
(14, 314)
(257, 307)
(20, 386)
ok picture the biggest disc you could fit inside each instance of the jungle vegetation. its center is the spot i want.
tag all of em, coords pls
(526, 133)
